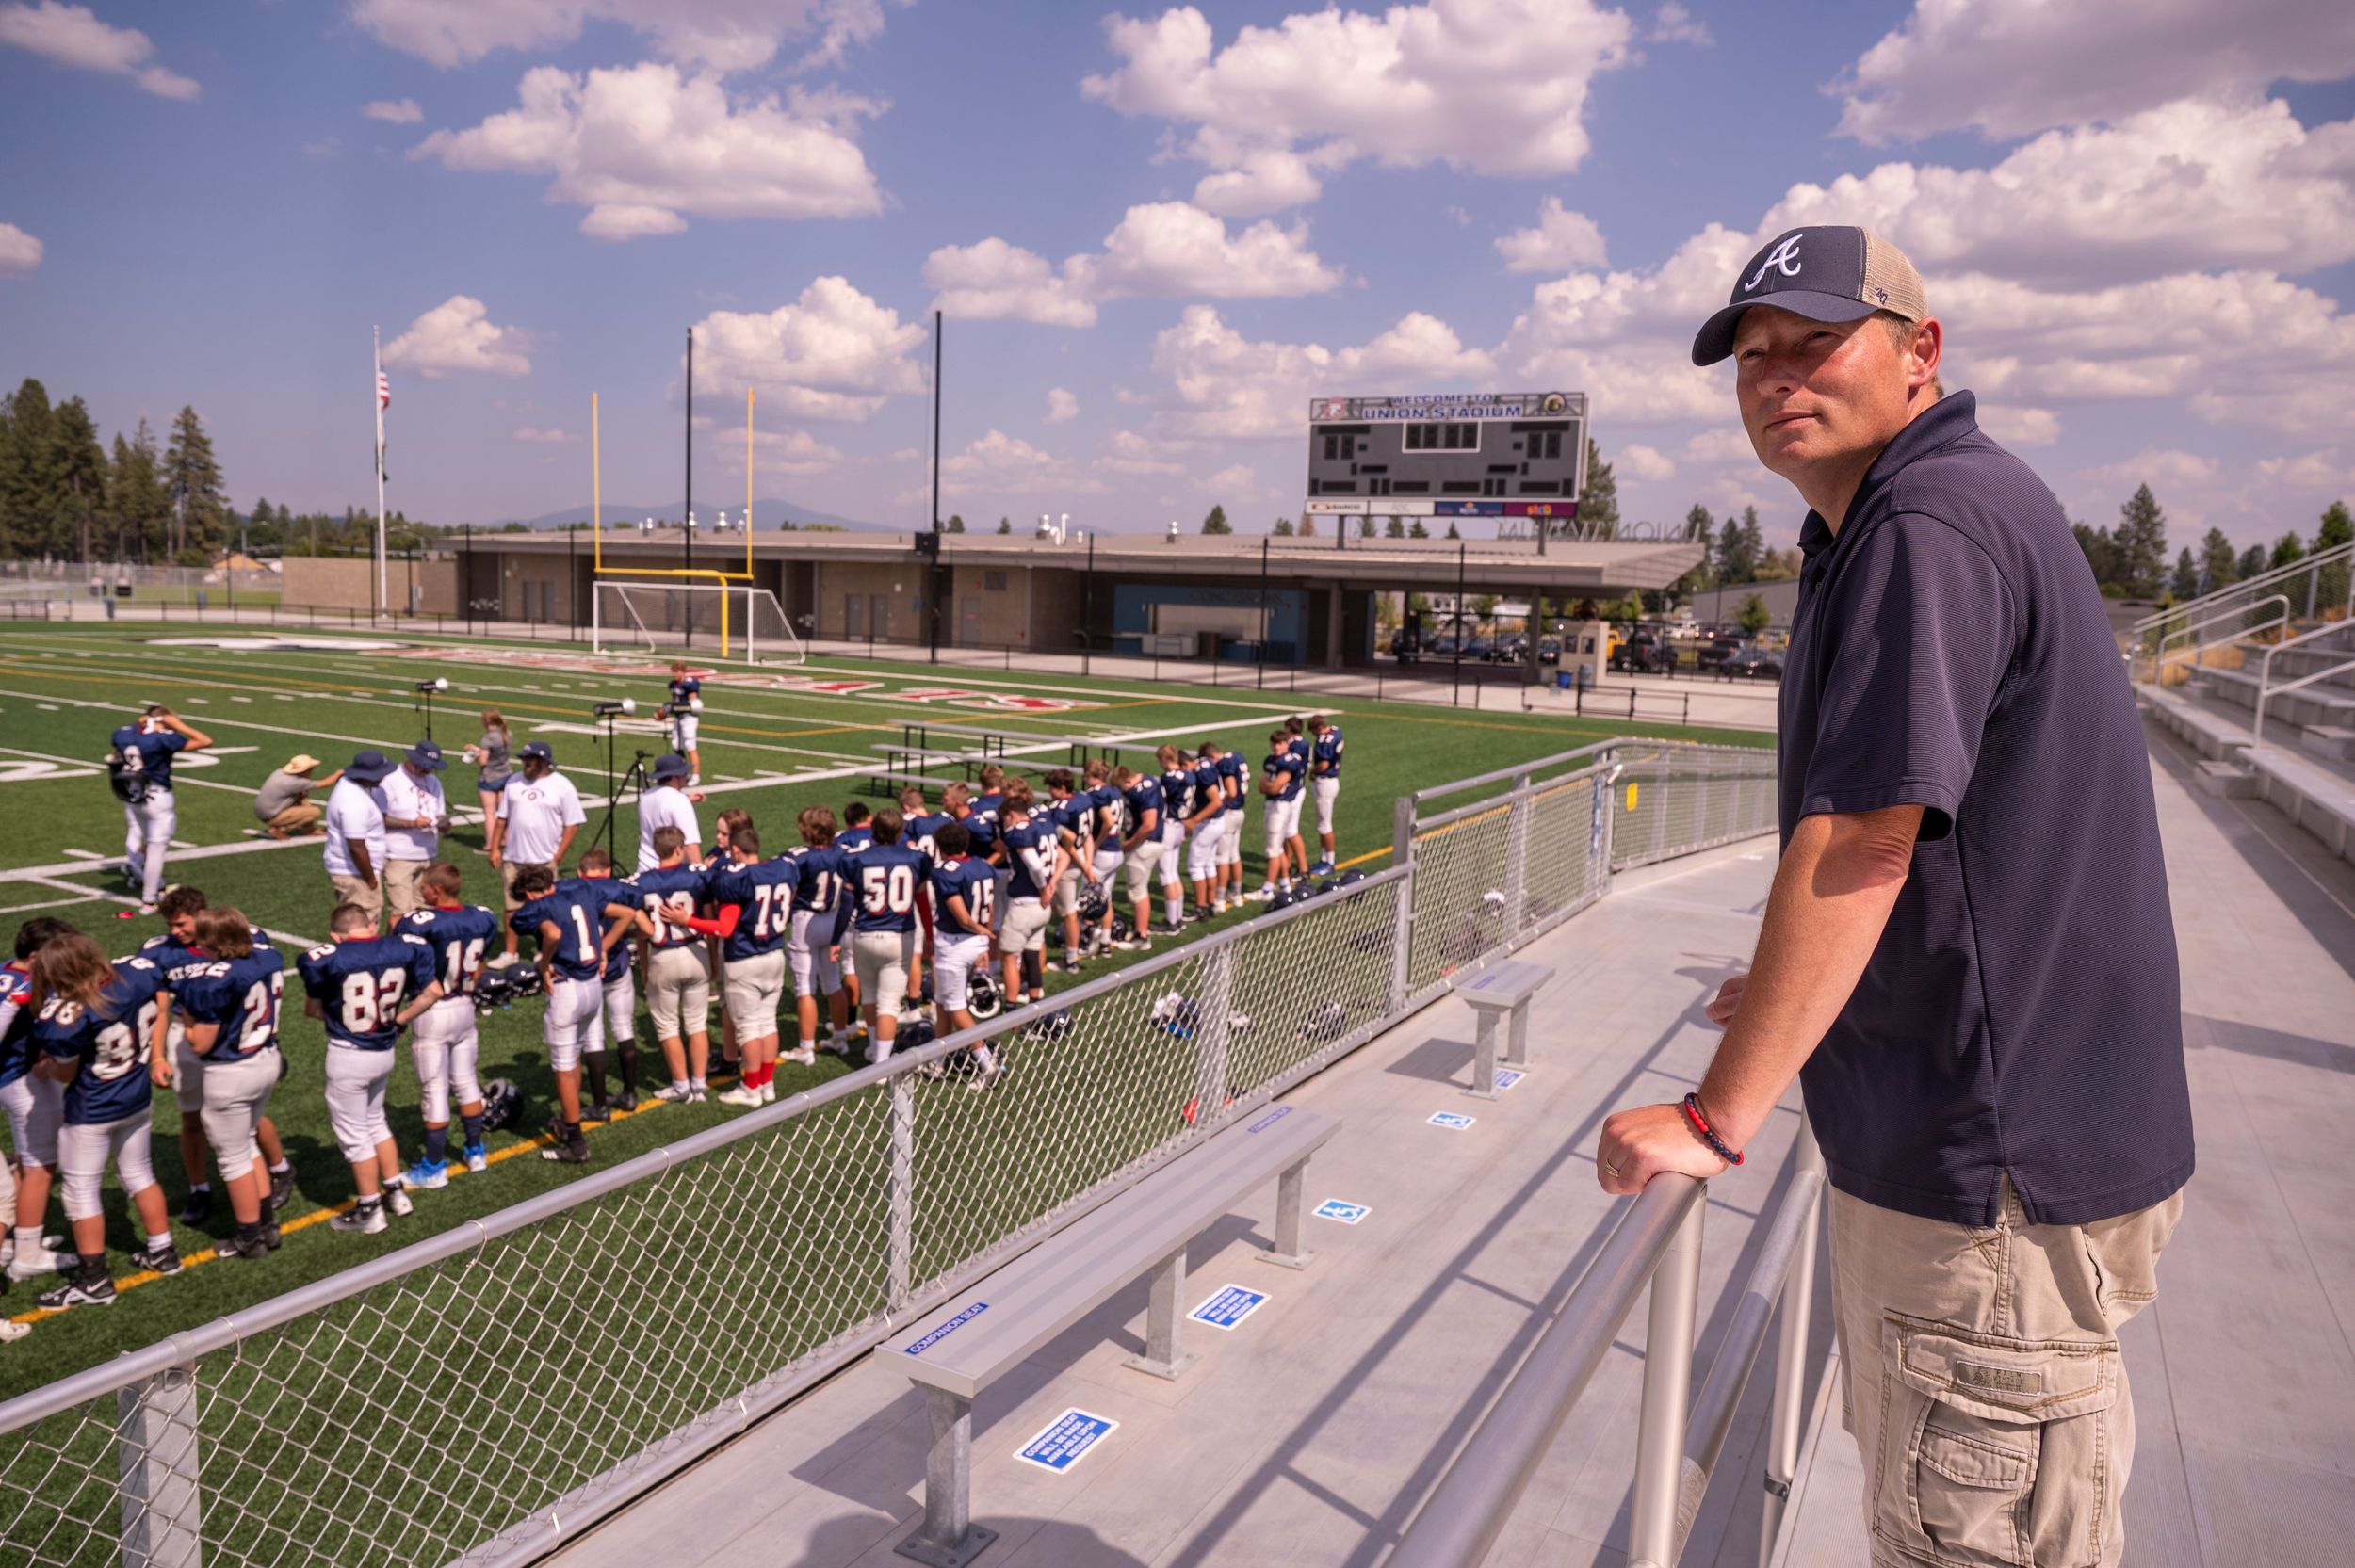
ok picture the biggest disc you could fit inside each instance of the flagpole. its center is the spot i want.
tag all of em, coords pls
(376, 396)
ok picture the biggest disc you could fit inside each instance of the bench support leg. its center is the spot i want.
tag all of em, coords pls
(948, 1538)
(1516, 1039)
(1291, 1193)
(1164, 1317)
(1484, 1084)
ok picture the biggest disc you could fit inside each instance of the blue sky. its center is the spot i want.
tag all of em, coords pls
(1157, 237)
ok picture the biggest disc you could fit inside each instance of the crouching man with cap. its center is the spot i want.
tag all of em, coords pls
(1966, 959)
(282, 804)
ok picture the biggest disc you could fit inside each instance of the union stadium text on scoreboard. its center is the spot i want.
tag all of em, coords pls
(1418, 455)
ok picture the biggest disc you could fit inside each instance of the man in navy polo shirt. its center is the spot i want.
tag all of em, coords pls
(1968, 957)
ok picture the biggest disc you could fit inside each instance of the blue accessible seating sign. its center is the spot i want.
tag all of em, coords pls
(1454, 1120)
(1067, 1440)
(1347, 1214)
(1230, 1307)
(1506, 1078)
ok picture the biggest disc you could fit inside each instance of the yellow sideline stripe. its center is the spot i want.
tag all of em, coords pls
(318, 1216)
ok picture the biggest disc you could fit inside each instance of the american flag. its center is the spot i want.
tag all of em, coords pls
(383, 391)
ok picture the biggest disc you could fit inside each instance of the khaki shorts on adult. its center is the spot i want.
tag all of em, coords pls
(1139, 864)
(508, 871)
(881, 959)
(295, 818)
(1983, 1381)
(678, 993)
(754, 988)
(1025, 929)
(404, 888)
(351, 890)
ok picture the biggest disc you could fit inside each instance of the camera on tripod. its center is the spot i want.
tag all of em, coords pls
(438, 683)
(611, 710)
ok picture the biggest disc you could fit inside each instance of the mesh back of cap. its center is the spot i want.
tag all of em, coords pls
(1891, 283)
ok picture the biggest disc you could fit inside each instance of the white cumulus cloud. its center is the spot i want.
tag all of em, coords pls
(1000, 465)
(1673, 24)
(1223, 385)
(394, 111)
(544, 438)
(724, 35)
(1561, 240)
(1638, 461)
(1493, 87)
(642, 146)
(20, 252)
(73, 36)
(2012, 67)
(833, 354)
(458, 338)
(1161, 248)
(1062, 407)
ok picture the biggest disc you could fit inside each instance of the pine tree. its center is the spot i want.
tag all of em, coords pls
(2184, 583)
(1283, 528)
(2140, 543)
(1701, 530)
(27, 486)
(1598, 503)
(1397, 529)
(2217, 568)
(1452, 532)
(1005, 525)
(79, 466)
(1365, 526)
(956, 524)
(1754, 541)
(2252, 560)
(2337, 528)
(192, 478)
(2288, 550)
(1416, 529)
(1216, 521)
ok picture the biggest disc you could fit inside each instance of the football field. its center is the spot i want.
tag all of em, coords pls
(773, 741)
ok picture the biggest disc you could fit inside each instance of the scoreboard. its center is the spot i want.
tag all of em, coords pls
(1480, 455)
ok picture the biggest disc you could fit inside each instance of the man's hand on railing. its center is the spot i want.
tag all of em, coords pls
(1639, 1144)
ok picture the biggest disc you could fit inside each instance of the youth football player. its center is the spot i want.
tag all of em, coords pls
(145, 747)
(445, 1045)
(1176, 782)
(679, 983)
(365, 987)
(577, 921)
(814, 950)
(964, 894)
(35, 1103)
(1139, 850)
(1324, 777)
(1232, 773)
(755, 898)
(882, 879)
(229, 992)
(1206, 834)
(619, 990)
(1279, 790)
(684, 709)
(1035, 862)
(181, 907)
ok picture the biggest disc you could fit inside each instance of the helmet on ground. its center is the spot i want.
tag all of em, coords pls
(502, 1104)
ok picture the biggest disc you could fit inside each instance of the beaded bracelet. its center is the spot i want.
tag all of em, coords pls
(1702, 1127)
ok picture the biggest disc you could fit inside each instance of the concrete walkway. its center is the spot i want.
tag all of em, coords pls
(1310, 1433)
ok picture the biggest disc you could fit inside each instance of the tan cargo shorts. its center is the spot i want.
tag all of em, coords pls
(1982, 1378)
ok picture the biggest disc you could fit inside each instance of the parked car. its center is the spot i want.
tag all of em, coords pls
(1549, 650)
(1645, 653)
(1513, 650)
(1717, 651)
(1479, 649)
(1406, 646)
(1756, 663)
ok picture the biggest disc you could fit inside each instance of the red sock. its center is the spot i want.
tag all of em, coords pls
(768, 1071)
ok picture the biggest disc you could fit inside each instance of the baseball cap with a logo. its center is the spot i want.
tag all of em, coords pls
(1825, 273)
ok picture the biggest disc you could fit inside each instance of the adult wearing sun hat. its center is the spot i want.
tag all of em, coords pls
(282, 806)
(669, 804)
(415, 813)
(355, 833)
(539, 816)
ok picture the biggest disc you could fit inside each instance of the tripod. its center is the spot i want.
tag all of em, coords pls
(426, 694)
(635, 774)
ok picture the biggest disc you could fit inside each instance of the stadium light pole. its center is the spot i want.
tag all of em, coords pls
(687, 523)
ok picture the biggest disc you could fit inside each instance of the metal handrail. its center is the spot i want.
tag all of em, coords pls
(2159, 668)
(1656, 1243)
(2267, 689)
(2336, 555)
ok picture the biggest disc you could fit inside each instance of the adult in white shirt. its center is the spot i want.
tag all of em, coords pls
(415, 812)
(355, 834)
(669, 804)
(538, 818)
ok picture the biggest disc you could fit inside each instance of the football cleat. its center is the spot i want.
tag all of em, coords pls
(428, 1175)
(366, 1218)
(163, 1260)
(477, 1158)
(575, 1153)
(281, 1187)
(247, 1245)
(988, 1077)
(1320, 868)
(595, 1110)
(397, 1201)
(199, 1206)
(43, 1259)
(739, 1095)
(93, 1288)
(674, 1094)
(626, 1101)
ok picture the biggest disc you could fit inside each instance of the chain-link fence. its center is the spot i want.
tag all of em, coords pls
(494, 1390)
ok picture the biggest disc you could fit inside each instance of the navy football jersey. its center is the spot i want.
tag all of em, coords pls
(1105, 798)
(970, 880)
(1286, 764)
(1142, 798)
(109, 1043)
(1031, 842)
(618, 891)
(852, 840)
(1326, 753)
(459, 938)
(240, 994)
(980, 831)
(1233, 772)
(883, 878)
(1074, 814)
(578, 909)
(918, 833)
(1209, 789)
(764, 891)
(149, 755)
(1178, 800)
(361, 986)
(16, 1022)
(685, 693)
(665, 895)
(821, 878)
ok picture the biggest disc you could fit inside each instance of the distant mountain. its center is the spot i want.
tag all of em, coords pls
(766, 514)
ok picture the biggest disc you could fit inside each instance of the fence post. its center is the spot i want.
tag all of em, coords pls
(1403, 926)
(1784, 1426)
(1211, 1034)
(900, 1247)
(1516, 858)
(1659, 1505)
(155, 1452)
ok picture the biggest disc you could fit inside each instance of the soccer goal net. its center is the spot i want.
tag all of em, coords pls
(732, 621)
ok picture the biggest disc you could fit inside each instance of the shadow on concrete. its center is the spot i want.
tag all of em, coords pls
(1029, 1543)
(2252, 1040)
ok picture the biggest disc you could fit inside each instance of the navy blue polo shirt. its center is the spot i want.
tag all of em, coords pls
(2021, 1014)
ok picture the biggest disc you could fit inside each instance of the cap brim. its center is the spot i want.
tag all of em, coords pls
(1714, 341)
